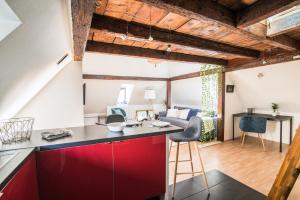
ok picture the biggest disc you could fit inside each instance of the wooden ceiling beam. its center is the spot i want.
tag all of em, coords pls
(219, 16)
(193, 75)
(263, 9)
(140, 32)
(275, 59)
(82, 12)
(132, 78)
(116, 49)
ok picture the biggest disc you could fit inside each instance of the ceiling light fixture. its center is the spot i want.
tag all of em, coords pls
(125, 36)
(169, 45)
(150, 36)
(169, 48)
(264, 61)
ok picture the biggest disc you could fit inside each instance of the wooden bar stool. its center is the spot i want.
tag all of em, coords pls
(190, 135)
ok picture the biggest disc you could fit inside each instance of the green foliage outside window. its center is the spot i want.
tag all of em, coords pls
(211, 84)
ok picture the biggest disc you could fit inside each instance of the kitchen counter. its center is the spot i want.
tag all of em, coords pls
(81, 136)
(91, 135)
(11, 167)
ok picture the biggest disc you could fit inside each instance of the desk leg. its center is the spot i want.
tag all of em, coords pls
(233, 128)
(291, 130)
(280, 144)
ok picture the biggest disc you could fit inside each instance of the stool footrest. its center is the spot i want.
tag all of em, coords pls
(181, 173)
(180, 161)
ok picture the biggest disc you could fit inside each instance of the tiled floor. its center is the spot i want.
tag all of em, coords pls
(221, 187)
(249, 165)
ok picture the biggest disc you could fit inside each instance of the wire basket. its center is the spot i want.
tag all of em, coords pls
(16, 129)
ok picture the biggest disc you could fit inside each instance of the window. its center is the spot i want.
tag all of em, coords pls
(125, 93)
(9, 21)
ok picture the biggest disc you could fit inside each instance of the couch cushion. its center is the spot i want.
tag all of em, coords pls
(175, 121)
(172, 113)
(183, 114)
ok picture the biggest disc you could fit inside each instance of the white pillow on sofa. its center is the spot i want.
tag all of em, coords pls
(183, 114)
(172, 113)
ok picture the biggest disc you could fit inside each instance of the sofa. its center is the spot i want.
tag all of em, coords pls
(184, 122)
(178, 121)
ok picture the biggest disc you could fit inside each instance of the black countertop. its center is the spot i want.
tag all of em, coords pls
(81, 136)
(91, 135)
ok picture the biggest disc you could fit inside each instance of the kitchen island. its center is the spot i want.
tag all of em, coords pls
(93, 163)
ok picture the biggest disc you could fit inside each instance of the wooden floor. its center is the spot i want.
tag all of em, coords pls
(249, 164)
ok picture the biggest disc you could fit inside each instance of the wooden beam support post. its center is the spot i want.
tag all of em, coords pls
(288, 172)
(169, 86)
(221, 107)
(102, 47)
(82, 12)
(215, 14)
(262, 9)
(140, 32)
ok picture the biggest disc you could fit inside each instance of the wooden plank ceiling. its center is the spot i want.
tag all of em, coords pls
(214, 29)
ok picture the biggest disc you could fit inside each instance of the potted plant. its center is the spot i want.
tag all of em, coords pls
(275, 108)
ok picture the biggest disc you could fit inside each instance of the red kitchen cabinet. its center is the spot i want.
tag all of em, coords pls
(76, 173)
(140, 168)
(23, 185)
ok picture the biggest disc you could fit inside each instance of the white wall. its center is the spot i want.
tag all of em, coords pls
(29, 54)
(96, 63)
(59, 104)
(186, 92)
(103, 93)
(280, 84)
(97, 90)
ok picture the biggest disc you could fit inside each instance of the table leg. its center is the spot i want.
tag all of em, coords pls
(291, 130)
(280, 144)
(233, 128)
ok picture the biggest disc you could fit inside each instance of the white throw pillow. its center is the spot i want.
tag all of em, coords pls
(183, 114)
(172, 113)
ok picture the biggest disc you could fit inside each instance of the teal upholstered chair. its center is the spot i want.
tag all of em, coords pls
(118, 111)
(251, 124)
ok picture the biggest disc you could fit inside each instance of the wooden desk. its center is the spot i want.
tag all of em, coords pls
(279, 118)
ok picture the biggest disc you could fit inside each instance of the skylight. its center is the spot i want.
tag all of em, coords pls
(9, 21)
(125, 93)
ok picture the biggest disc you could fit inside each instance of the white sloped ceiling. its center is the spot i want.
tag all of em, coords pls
(28, 56)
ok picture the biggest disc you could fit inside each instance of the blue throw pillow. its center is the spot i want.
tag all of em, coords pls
(192, 113)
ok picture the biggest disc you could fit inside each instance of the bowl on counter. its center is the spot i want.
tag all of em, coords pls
(116, 126)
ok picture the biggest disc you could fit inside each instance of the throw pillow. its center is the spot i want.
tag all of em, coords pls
(183, 114)
(172, 113)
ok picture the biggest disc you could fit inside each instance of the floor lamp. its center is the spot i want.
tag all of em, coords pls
(150, 95)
